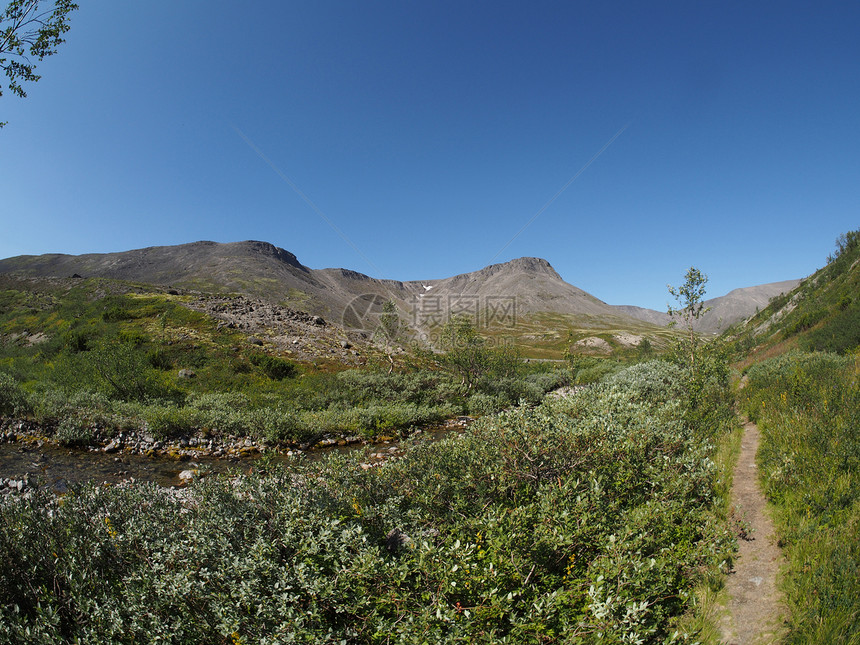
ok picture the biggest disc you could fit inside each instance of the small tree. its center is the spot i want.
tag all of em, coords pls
(389, 330)
(844, 244)
(465, 351)
(28, 32)
(690, 297)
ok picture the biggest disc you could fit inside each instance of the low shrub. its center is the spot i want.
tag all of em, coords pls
(13, 400)
(277, 425)
(587, 370)
(158, 359)
(116, 313)
(77, 340)
(480, 404)
(168, 420)
(274, 367)
(224, 411)
(73, 431)
(584, 516)
(842, 332)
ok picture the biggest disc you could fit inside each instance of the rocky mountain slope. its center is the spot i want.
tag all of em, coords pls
(262, 270)
(498, 296)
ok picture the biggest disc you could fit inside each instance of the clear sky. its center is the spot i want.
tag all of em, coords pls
(428, 134)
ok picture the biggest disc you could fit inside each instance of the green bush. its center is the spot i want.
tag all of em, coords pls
(805, 320)
(480, 404)
(584, 516)
(77, 340)
(278, 425)
(13, 400)
(72, 431)
(117, 369)
(158, 359)
(225, 411)
(169, 420)
(116, 313)
(842, 332)
(587, 369)
(274, 367)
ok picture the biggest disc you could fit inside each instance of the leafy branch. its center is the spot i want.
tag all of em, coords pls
(29, 32)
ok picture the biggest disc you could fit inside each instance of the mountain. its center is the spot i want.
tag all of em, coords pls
(524, 301)
(725, 311)
(239, 266)
(522, 286)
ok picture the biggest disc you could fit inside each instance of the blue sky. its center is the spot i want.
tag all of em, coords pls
(429, 133)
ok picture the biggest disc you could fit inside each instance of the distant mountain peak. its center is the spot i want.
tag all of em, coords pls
(523, 265)
(256, 247)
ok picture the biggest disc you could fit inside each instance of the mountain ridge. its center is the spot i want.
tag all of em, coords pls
(262, 269)
(738, 304)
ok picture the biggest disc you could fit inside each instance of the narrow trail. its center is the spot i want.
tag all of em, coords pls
(755, 611)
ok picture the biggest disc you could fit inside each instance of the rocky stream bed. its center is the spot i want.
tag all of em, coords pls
(29, 457)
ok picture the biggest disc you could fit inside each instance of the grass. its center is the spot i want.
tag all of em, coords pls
(551, 335)
(710, 593)
(807, 406)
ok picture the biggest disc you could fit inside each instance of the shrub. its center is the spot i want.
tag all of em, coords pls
(587, 370)
(13, 400)
(169, 420)
(122, 372)
(77, 340)
(225, 411)
(72, 431)
(577, 517)
(548, 381)
(841, 334)
(116, 313)
(278, 425)
(158, 359)
(274, 367)
(480, 404)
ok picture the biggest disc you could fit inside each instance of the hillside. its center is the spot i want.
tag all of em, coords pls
(523, 301)
(512, 298)
(822, 313)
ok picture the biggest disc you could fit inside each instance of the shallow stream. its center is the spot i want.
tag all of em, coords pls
(62, 468)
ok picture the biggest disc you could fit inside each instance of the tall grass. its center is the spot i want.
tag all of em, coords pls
(808, 409)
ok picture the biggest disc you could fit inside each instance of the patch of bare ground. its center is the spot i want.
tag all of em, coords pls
(628, 340)
(755, 610)
(595, 344)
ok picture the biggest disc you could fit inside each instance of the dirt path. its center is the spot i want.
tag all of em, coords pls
(754, 607)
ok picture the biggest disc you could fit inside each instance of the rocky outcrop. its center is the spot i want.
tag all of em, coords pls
(298, 334)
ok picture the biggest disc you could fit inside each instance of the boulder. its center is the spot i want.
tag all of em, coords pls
(395, 540)
(189, 475)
